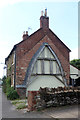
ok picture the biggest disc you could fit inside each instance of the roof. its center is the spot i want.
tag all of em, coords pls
(74, 72)
(36, 37)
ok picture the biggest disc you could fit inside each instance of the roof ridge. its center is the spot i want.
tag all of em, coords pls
(29, 36)
(60, 40)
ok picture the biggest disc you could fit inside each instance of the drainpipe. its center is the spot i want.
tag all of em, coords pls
(14, 67)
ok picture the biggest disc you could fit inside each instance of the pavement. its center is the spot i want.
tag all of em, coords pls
(9, 111)
(0, 103)
(63, 112)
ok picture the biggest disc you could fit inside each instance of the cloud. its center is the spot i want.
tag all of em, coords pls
(10, 2)
(3, 3)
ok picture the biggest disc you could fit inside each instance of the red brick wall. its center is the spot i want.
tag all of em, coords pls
(23, 59)
(44, 22)
(31, 100)
(21, 92)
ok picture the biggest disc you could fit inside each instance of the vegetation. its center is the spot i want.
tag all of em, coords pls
(17, 102)
(75, 63)
(4, 84)
(10, 92)
(21, 106)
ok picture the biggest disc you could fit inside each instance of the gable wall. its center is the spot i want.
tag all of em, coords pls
(59, 44)
(23, 62)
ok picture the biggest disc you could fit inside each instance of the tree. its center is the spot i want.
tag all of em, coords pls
(75, 63)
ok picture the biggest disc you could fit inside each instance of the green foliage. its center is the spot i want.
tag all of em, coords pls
(21, 106)
(76, 63)
(4, 84)
(8, 83)
(12, 94)
(17, 102)
(9, 68)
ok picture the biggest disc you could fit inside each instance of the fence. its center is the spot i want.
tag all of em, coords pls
(51, 97)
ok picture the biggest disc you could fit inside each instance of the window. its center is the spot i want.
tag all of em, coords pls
(47, 67)
(46, 63)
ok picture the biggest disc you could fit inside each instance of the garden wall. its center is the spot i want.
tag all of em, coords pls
(52, 97)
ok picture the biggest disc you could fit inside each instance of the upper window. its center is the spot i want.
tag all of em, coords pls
(46, 63)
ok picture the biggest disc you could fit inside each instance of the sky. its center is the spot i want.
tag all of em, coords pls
(16, 16)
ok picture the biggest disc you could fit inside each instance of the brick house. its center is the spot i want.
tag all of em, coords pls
(39, 60)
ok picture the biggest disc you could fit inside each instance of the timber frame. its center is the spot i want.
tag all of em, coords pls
(34, 59)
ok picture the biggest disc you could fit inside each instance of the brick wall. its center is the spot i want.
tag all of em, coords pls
(53, 97)
(23, 61)
(21, 92)
(31, 100)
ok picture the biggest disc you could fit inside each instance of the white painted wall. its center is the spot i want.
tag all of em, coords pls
(74, 70)
(44, 81)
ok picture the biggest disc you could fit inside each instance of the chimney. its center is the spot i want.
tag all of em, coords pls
(44, 20)
(25, 35)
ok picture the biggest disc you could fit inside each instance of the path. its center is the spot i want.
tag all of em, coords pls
(9, 111)
(0, 103)
(63, 112)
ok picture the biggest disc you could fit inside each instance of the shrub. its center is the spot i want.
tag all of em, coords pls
(4, 84)
(12, 94)
(8, 82)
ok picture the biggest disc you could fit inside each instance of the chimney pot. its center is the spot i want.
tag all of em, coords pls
(44, 20)
(26, 32)
(25, 35)
(41, 13)
(45, 12)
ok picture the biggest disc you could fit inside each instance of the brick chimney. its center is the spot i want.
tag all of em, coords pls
(25, 35)
(44, 20)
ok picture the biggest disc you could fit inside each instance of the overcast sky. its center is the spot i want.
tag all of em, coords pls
(17, 15)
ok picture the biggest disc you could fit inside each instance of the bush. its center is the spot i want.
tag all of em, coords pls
(4, 84)
(12, 94)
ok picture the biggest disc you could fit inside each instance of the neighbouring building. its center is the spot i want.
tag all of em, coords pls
(39, 60)
(74, 76)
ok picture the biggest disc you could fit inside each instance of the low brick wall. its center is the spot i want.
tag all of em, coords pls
(53, 97)
(32, 100)
(21, 92)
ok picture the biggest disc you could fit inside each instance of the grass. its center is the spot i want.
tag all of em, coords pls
(17, 102)
(21, 106)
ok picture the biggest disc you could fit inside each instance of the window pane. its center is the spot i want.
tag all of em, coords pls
(47, 67)
(51, 67)
(45, 52)
(57, 69)
(39, 66)
(34, 69)
(54, 67)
